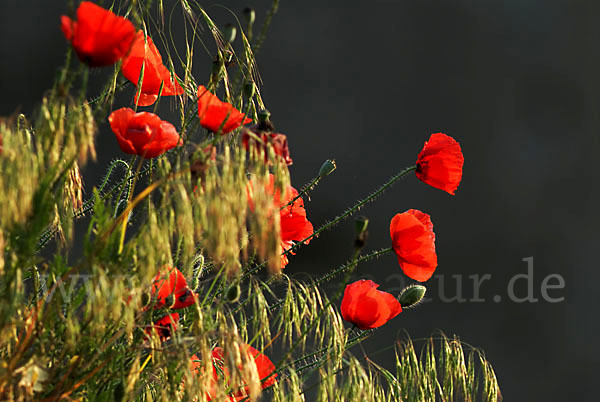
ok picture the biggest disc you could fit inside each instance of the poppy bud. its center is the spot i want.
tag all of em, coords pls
(169, 301)
(250, 15)
(360, 224)
(412, 295)
(216, 68)
(264, 123)
(249, 90)
(263, 115)
(328, 167)
(233, 293)
(229, 33)
(145, 299)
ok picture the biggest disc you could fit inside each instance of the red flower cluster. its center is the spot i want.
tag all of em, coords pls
(99, 37)
(144, 53)
(264, 367)
(143, 133)
(366, 307)
(217, 116)
(440, 163)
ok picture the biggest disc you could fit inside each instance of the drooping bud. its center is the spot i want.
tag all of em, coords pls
(170, 301)
(146, 298)
(264, 123)
(412, 295)
(327, 168)
(229, 33)
(360, 225)
(233, 293)
(249, 90)
(250, 15)
(217, 69)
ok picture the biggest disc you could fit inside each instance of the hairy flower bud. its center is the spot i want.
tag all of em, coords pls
(249, 90)
(327, 168)
(360, 225)
(233, 293)
(250, 15)
(229, 33)
(412, 295)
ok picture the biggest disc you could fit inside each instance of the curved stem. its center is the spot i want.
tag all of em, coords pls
(338, 219)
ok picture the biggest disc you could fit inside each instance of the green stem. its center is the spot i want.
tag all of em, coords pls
(265, 27)
(304, 190)
(352, 209)
(338, 219)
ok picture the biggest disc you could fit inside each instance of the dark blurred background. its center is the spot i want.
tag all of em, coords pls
(366, 83)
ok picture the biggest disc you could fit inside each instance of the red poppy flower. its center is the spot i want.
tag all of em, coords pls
(218, 116)
(413, 241)
(164, 327)
(264, 367)
(295, 227)
(143, 133)
(99, 37)
(170, 289)
(366, 307)
(440, 163)
(276, 140)
(144, 52)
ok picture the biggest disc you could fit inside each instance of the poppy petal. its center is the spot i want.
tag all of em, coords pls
(143, 134)
(216, 115)
(413, 241)
(144, 53)
(440, 163)
(99, 37)
(164, 327)
(366, 307)
(170, 285)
